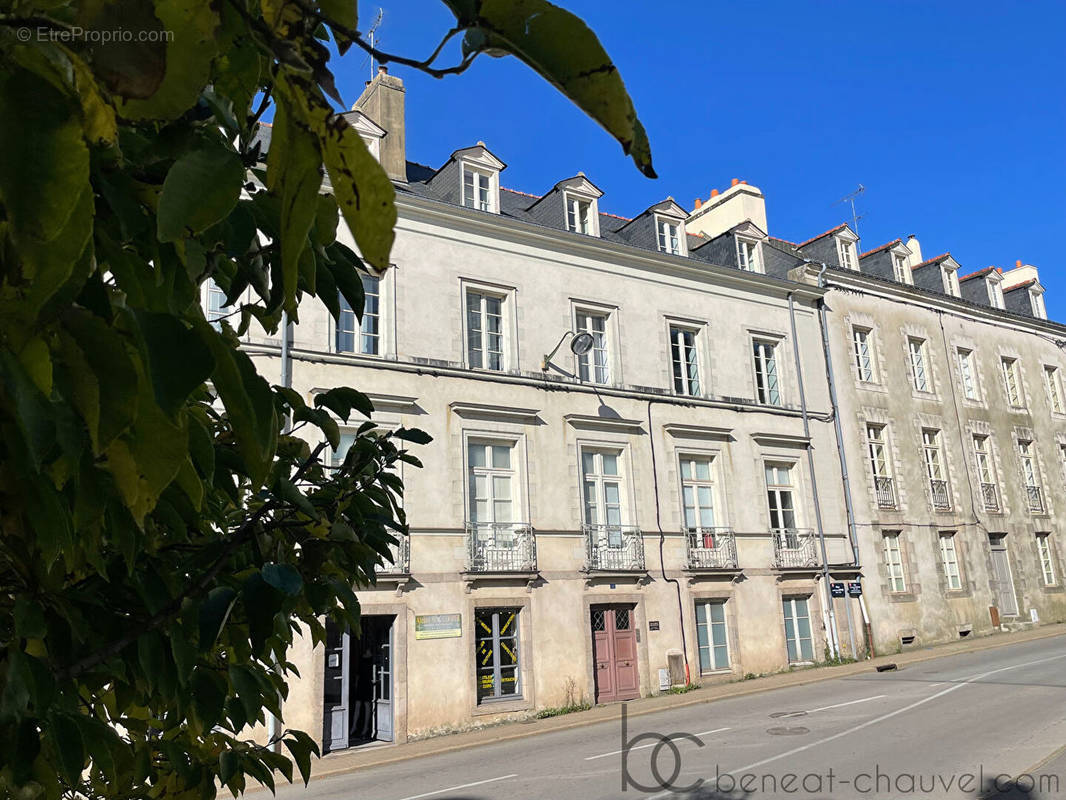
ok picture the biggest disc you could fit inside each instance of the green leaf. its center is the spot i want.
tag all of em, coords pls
(343, 12)
(70, 747)
(200, 189)
(229, 761)
(151, 657)
(247, 688)
(29, 617)
(34, 414)
(412, 435)
(327, 216)
(565, 51)
(248, 400)
(178, 360)
(208, 696)
(301, 746)
(342, 399)
(283, 577)
(293, 166)
(214, 611)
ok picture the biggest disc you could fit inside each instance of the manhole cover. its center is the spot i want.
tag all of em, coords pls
(778, 714)
(788, 731)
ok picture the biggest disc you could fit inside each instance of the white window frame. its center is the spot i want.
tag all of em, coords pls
(765, 366)
(483, 334)
(892, 558)
(1030, 469)
(1036, 300)
(694, 484)
(664, 240)
(949, 562)
(490, 188)
(1047, 558)
(967, 359)
(574, 203)
(846, 254)
(863, 345)
(680, 351)
(489, 471)
(604, 341)
(749, 255)
(918, 355)
(877, 451)
(901, 269)
(1012, 384)
(777, 493)
(950, 276)
(599, 480)
(1053, 386)
(790, 606)
(359, 330)
(982, 450)
(995, 294)
(934, 465)
(710, 626)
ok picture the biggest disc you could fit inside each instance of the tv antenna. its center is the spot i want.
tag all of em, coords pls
(372, 35)
(850, 200)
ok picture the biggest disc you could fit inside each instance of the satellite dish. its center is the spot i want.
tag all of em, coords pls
(582, 343)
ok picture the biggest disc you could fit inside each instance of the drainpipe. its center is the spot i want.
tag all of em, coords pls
(845, 476)
(831, 626)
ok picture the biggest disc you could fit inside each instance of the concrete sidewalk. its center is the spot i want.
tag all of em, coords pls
(376, 755)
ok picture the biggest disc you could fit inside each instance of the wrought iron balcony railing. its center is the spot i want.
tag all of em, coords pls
(941, 497)
(794, 547)
(400, 553)
(501, 547)
(613, 547)
(990, 496)
(886, 495)
(710, 548)
(1036, 499)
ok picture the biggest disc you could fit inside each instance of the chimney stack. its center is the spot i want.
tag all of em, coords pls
(383, 101)
(916, 251)
(725, 210)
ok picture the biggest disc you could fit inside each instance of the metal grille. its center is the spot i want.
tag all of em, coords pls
(990, 496)
(399, 556)
(1036, 500)
(501, 547)
(711, 548)
(599, 623)
(613, 547)
(886, 497)
(621, 619)
(941, 500)
(794, 547)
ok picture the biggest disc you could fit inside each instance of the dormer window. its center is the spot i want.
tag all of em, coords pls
(951, 281)
(995, 294)
(847, 253)
(1037, 300)
(477, 189)
(669, 236)
(748, 256)
(901, 269)
(578, 215)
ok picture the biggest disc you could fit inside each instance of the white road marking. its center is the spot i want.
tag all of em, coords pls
(934, 685)
(851, 703)
(642, 746)
(463, 786)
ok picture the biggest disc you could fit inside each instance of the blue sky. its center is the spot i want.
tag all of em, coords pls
(952, 114)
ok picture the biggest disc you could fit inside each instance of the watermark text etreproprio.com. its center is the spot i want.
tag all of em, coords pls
(77, 35)
(664, 761)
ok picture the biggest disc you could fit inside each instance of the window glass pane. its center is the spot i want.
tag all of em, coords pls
(588, 463)
(477, 455)
(501, 456)
(610, 464)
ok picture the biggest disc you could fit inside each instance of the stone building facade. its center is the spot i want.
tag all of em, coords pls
(636, 479)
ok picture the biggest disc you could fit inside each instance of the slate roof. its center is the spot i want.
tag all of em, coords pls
(979, 274)
(885, 246)
(930, 261)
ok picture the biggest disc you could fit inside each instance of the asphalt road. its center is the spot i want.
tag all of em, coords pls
(948, 728)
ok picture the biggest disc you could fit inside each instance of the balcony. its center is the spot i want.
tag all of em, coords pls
(400, 555)
(1036, 499)
(990, 496)
(794, 548)
(500, 547)
(710, 549)
(613, 548)
(941, 498)
(886, 495)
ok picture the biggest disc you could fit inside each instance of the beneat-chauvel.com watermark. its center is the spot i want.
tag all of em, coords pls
(666, 770)
(78, 35)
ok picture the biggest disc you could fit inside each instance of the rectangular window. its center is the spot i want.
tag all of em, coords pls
(1025, 453)
(847, 259)
(496, 631)
(685, 362)
(949, 560)
(1011, 385)
(901, 269)
(919, 364)
(1047, 564)
(767, 388)
(1053, 385)
(578, 215)
(798, 639)
(995, 294)
(216, 305)
(697, 496)
(934, 468)
(336, 457)
(968, 373)
(669, 242)
(862, 339)
(711, 635)
(366, 334)
(984, 465)
(594, 366)
(476, 189)
(748, 256)
(780, 502)
(951, 282)
(484, 331)
(877, 450)
(893, 557)
(1062, 459)
(601, 474)
(492, 482)
(1037, 300)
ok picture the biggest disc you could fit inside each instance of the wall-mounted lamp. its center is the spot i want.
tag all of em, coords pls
(580, 343)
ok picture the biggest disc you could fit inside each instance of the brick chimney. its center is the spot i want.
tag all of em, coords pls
(382, 101)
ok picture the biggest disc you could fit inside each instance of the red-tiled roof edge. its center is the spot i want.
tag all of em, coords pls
(524, 194)
(617, 216)
(885, 246)
(977, 274)
(820, 235)
(929, 261)
(1022, 285)
(779, 239)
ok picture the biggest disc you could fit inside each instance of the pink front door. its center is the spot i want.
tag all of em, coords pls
(614, 647)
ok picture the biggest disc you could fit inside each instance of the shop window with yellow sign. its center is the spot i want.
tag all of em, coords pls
(496, 631)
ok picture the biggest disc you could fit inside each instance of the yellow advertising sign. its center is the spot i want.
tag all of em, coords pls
(438, 626)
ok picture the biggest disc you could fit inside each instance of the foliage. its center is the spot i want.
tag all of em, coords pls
(558, 711)
(164, 536)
